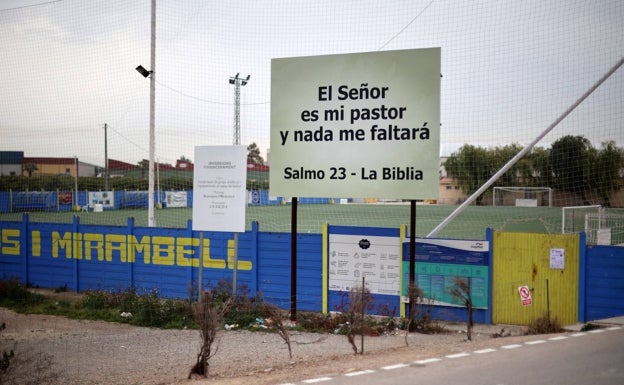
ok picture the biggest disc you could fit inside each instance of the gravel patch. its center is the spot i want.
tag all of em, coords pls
(94, 352)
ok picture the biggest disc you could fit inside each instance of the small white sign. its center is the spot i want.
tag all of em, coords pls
(525, 295)
(557, 259)
(219, 188)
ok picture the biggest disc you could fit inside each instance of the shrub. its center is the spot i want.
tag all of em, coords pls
(544, 325)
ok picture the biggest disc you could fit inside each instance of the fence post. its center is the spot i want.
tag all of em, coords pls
(76, 252)
(362, 314)
(129, 232)
(255, 229)
(25, 245)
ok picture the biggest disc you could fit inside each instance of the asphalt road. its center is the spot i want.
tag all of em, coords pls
(595, 358)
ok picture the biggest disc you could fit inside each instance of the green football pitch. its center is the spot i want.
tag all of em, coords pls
(470, 224)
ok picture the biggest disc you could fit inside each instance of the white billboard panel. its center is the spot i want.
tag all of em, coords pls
(356, 125)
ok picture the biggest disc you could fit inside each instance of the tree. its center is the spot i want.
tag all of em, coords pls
(253, 154)
(606, 163)
(569, 161)
(469, 166)
(499, 156)
(144, 167)
(30, 168)
(539, 172)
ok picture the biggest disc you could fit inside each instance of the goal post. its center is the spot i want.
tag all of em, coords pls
(574, 218)
(522, 196)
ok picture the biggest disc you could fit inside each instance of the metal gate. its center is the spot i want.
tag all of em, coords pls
(545, 264)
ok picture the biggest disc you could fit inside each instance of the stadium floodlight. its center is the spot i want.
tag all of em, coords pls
(237, 82)
(143, 71)
(234, 79)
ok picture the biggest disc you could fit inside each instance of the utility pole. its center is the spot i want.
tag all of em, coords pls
(152, 135)
(237, 82)
(106, 173)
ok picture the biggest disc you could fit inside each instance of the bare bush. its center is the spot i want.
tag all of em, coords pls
(461, 291)
(544, 325)
(275, 320)
(208, 314)
(415, 295)
(361, 300)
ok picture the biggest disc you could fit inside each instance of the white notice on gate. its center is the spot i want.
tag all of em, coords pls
(557, 259)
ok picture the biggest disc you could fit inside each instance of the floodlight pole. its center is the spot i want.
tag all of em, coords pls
(237, 82)
(152, 135)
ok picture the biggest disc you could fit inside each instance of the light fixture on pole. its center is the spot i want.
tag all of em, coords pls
(143, 71)
(237, 82)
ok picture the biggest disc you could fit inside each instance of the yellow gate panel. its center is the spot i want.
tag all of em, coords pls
(548, 264)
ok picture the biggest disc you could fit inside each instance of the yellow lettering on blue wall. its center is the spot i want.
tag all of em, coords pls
(241, 265)
(209, 262)
(64, 242)
(10, 243)
(116, 242)
(77, 245)
(35, 243)
(163, 251)
(94, 242)
(134, 246)
(184, 247)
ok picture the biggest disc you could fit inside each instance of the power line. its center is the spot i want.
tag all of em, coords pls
(30, 6)
(407, 25)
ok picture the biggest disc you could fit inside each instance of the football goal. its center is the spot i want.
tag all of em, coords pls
(522, 196)
(604, 229)
(574, 218)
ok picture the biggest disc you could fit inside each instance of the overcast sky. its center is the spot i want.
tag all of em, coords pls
(510, 68)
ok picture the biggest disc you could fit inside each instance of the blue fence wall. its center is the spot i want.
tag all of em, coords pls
(86, 257)
(603, 283)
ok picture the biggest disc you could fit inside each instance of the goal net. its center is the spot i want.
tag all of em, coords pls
(522, 196)
(604, 229)
(75, 114)
(574, 218)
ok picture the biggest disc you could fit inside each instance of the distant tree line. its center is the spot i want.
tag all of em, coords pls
(571, 164)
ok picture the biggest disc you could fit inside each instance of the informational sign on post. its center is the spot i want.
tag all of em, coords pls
(377, 259)
(219, 188)
(356, 125)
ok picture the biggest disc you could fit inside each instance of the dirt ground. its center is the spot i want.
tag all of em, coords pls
(97, 352)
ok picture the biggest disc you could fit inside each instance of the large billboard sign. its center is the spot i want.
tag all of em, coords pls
(356, 125)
